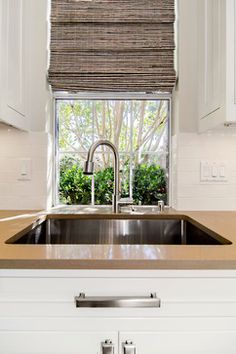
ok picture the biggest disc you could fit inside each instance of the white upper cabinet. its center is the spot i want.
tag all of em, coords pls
(211, 56)
(217, 63)
(14, 63)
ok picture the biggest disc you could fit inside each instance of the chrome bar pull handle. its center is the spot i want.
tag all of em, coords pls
(107, 347)
(129, 347)
(118, 301)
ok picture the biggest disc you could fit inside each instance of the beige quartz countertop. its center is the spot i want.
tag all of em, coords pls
(117, 256)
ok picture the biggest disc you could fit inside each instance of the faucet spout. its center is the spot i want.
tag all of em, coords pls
(89, 168)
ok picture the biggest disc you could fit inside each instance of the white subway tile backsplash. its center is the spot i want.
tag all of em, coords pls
(206, 204)
(188, 165)
(15, 145)
(212, 191)
(189, 192)
(188, 177)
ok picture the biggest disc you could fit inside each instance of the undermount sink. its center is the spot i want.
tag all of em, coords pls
(118, 231)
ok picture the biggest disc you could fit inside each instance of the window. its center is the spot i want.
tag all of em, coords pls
(140, 130)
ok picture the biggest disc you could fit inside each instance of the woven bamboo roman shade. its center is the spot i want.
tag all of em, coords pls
(112, 45)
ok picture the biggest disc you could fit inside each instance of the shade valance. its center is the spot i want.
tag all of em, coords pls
(112, 45)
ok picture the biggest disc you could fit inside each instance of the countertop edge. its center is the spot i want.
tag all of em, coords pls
(118, 264)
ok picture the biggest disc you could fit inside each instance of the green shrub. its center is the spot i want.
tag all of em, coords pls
(149, 184)
(74, 186)
(104, 186)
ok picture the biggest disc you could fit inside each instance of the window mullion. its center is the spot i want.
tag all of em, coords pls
(131, 152)
(93, 140)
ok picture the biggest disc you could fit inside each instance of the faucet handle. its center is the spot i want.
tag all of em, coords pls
(161, 206)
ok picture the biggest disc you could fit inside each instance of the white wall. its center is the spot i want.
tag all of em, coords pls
(40, 98)
(185, 97)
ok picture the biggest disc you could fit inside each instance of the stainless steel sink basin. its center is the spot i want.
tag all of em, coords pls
(118, 231)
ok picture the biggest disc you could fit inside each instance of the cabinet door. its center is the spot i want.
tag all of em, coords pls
(15, 56)
(14, 62)
(56, 342)
(181, 342)
(211, 49)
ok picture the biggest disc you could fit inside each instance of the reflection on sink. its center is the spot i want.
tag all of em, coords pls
(118, 231)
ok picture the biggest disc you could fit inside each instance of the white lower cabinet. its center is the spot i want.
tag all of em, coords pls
(29, 342)
(179, 342)
(38, 312)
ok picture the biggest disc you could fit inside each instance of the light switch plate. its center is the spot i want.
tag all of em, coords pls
(24, 173)
(213, 171)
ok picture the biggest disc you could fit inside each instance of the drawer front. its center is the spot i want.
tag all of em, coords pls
(45, 296)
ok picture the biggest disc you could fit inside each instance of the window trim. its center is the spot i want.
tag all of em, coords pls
(107, 96)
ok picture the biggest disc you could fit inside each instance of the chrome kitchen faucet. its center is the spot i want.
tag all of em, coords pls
(117, 202)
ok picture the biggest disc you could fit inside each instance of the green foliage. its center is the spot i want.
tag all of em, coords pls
(75, 188)
(104, 185)
(149, 184)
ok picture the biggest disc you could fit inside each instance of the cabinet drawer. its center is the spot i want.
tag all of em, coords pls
(39, 296)
(168, 289)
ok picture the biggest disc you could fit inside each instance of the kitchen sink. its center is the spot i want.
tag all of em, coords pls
(69, 231)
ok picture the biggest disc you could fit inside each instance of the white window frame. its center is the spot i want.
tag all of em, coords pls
(107, 96)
